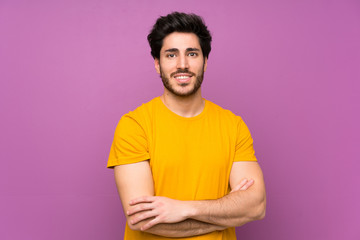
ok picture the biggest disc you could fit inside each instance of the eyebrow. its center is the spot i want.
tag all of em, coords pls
(177, 50)
(193, 50)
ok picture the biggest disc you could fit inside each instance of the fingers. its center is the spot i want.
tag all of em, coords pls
(240, 185)
(144, 199)
(150, 224)
(139, 208)
(247, 184)
(243, 185)
(143, 216)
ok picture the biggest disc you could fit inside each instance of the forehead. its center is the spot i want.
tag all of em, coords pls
(181, 41)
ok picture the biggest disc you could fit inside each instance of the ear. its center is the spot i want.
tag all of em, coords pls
(157, 65)
(205, 63)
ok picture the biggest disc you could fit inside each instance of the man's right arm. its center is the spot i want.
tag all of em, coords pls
(135, 180)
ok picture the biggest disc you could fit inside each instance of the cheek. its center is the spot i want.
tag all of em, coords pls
(167, 68)
(200, 67)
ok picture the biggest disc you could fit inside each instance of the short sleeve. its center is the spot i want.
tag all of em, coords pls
(244, 150)
(130, 143)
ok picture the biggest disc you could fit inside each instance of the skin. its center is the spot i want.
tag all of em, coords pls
(182, 52)
(144, 186)
(181, 57)
(173, 57)
(232, 210)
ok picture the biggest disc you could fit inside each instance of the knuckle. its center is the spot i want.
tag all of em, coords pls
(134, 227)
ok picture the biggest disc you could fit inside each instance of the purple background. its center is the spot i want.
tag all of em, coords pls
(70, 69)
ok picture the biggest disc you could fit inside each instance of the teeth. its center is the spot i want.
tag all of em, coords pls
(182, 77)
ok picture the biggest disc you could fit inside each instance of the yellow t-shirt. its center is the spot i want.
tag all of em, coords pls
(190, 158)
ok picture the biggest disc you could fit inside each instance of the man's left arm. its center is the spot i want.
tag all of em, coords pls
(235, 209)
(238, 207)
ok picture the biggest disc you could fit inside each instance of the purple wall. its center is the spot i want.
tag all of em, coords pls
(70, 69)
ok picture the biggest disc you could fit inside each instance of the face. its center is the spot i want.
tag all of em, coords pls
(181, 65)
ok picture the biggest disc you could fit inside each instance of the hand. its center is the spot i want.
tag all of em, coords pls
(243, 185)
(161, 209)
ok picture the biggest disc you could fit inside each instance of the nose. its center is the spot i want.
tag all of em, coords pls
(182, 62)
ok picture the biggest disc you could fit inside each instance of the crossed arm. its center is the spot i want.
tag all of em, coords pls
(174, 218)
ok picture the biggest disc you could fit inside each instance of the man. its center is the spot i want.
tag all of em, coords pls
(185, 167)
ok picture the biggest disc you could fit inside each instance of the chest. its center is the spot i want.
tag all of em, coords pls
(192, 146)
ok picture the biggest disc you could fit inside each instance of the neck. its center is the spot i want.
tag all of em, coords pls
(189, 106)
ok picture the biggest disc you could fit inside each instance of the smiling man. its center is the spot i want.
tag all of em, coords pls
(185, 167)
(171, 67)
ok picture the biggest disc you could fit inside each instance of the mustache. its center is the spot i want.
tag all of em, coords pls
(182, 71)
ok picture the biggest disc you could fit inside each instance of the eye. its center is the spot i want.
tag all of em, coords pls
(192, 54)
(170, 55)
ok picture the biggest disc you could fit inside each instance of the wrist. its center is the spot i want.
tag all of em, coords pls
(190, 209)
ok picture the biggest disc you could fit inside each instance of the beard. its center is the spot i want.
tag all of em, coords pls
(170, 88)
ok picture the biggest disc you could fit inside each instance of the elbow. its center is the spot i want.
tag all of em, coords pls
(260, 211)
(261, 214)
(257, 213)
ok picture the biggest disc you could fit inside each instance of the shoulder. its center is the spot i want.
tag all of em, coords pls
(144, 111)
(138, 118)
(222, 113)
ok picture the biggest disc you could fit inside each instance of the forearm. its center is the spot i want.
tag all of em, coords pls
(235, 209)
(186, 228)
(232, 210)
(182, 228)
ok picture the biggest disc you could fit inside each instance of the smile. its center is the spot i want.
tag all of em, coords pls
(182, 77)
